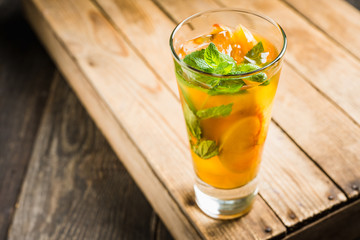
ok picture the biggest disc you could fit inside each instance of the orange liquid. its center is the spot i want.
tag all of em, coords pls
(241, 135)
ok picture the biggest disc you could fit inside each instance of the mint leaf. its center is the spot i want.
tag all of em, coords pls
(224, 68)
(192, 122)
(196, 60)
(210, 60)
(212, 55)
(226, 58)
(214, 112)
(205, 149)
(246, 67)
(228, 86)
(228, 91)
(259, 77)
(267, 82)
(254, 55)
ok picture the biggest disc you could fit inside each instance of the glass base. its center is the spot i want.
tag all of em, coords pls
(225, 203)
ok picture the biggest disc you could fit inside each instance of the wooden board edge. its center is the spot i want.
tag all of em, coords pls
(159, 197)
(343, 223)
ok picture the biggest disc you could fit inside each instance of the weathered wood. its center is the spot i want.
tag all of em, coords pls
(320, 134)
(281, 159)
(292, 185)
(76, 181)
(342, 224)
(117, 103)
(26, 73)
(75, 187)
(337, 18)
(140, 24)
(100, 112)
(327, 137)
(323, 132)
(320, 60)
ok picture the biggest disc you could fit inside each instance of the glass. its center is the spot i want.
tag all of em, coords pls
(226, 142)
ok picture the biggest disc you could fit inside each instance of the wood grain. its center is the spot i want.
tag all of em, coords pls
(140, 23)
(118, 104)
(337, 18)
(75, 187)
(100, 112)
(292, 185)
(342, 224)
(307, 198)
(324, 133)
(314, 56)
(26, 73)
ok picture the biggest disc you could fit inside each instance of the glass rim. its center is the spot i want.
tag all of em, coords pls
(278, 57)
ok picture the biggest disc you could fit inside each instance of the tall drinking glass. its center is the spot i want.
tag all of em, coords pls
(227, 115)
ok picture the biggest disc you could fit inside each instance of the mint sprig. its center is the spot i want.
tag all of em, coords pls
(205, 149)
(211, 60)
(212, 56)
(196, 60)
(215, 112)
(256, 55)
(192, 122)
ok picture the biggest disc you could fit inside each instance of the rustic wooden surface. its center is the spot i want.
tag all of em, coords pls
(104, 201)
(25, 76)
(168, 187)
(319, 62)
(287, 207)
(72, 169)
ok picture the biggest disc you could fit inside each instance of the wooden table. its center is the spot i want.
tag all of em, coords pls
(115, 56)
(38, 106)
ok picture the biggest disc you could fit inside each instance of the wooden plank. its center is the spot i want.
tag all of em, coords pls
(306, 200)
(75, 187)
(117, 103)
(187, 8)
(337, 18)
(342, 224)
(312, 54)
(292, 185)
(321, 133)
(105, 119)
(26, 73)
(155, 26)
